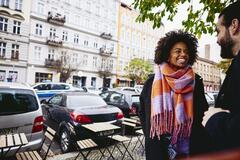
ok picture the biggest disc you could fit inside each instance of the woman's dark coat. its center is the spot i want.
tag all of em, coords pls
(155, 149)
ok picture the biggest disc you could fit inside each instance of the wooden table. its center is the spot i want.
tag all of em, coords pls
(102, 129)
(11, 140)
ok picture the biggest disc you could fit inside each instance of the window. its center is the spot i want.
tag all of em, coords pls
(2, 49)
(4, 3)
(51, 54)
(76, 38)
(85, 43)
(64, 56)
(18, 5)
(38, 30)
(3, 24)
(94, 62)
(95, 45)
(2, 75)
(65, 36)
(16, 27)
(12, 76)
(85, 60)
(56, 100)
(37, 52)
(93, 82)
(40, 8)
(111, 63)
(40, 77)
(15, 51)
(52, 33)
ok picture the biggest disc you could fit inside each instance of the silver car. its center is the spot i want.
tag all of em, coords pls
(20, 112)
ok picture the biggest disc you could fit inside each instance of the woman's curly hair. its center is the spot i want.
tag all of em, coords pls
(166, 43)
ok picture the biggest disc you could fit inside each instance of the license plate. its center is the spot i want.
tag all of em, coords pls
(106, 133)
(8, 130)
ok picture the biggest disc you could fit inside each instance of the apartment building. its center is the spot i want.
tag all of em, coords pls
(135, 40)
(81, 33)
(209, 71)
(14, 39)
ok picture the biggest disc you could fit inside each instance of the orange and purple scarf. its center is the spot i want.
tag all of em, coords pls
(172, 102)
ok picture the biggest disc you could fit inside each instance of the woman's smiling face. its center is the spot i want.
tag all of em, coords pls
(179, 56)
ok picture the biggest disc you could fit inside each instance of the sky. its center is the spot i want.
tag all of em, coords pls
(205, 39)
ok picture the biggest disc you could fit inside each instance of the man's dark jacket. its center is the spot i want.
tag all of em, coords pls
(223, 127)
(155, 149)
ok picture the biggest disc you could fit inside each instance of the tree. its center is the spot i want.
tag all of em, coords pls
(200, 20)
(63, 66)
(224, 64)
(138, 70)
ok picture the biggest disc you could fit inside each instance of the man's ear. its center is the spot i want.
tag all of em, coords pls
(235, 26)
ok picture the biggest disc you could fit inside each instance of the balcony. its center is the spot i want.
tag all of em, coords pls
(51, 63)
(15, 56)
(105, 35)
(56, 18)
(105, 51)
(54, 41)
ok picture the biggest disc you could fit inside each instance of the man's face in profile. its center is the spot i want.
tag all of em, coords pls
(224, 39)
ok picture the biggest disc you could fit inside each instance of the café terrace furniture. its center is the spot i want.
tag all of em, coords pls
(101, 131)
(34, 155)
(121, 140)
(9, 141)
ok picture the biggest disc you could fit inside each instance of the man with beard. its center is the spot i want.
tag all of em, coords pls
(223, 121)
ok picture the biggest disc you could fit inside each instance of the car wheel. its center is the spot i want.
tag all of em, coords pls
(65, 140)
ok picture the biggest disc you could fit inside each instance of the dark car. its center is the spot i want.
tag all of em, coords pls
(127, 101)
(77, 108)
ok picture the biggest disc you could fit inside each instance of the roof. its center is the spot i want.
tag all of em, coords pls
(16, 85)
(73, 93)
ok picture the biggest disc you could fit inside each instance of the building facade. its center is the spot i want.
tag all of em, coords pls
(14, 39)
(83, 34)
(210, 73)
(135, 40)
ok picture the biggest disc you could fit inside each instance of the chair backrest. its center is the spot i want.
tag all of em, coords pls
(49, 134)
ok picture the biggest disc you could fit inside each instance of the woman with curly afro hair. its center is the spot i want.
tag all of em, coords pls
(173, 101)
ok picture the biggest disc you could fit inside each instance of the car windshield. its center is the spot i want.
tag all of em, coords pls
(135, 98)
(85, 100)
(14, 101)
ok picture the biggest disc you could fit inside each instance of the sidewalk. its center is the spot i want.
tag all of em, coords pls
(137, 154)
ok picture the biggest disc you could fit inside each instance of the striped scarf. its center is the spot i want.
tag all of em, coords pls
(172, 102)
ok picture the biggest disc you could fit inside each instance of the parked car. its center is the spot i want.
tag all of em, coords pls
(77, 108)
(48, 89)
(213, 94)
(139, 88)
(127, 101)
(91, 89)
(210, 100)
(20, 112)
(127, 89)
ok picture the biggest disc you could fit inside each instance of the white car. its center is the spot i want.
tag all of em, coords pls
(91, 89)
(20, 112)
(48, 89)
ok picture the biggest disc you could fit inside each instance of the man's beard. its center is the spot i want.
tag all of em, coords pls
(226, 46)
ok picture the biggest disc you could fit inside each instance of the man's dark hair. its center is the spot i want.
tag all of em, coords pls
(166, 43)
(230, 12)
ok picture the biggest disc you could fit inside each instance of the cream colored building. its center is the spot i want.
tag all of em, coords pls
(135, 40)
(14, 39)
(210, 73)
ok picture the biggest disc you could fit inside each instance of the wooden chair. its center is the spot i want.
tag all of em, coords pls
(83, 145)
(121, 140)
(34, 155)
